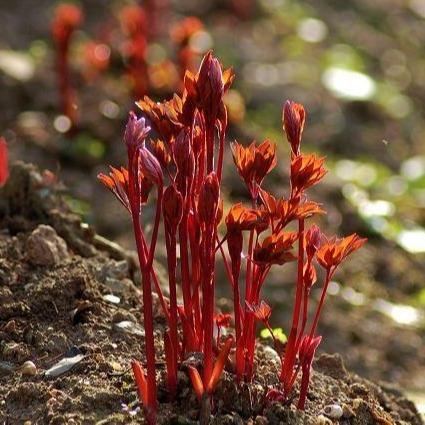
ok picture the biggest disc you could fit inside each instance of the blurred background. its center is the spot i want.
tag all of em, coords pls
(69, 74)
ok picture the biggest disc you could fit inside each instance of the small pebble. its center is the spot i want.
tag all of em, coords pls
(63, 366)
(271, 354)
(129, 327)
(323, 420)
(10, 326)
(113, 299)
(44, 247)
(261, 420)
(333, 411)
(28, 368)
(10, 348)
(347, 411)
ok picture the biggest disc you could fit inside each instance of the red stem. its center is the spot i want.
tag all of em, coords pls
(305, 380)
(156, 225)
(171, 244)
(65, 89)
(209, 131)
(208, 300)
(306, 295)
(220, 155)
(156, 283)
(148, 323)
(290, 354)
(329, 274)
(184, 260)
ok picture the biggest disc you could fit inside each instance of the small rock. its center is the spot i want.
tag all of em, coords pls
(79, 312)
(129, 327)
(6, 368)
(331, 365)
(10, 326)
(110, 298)
(28, 369)
(347, 411)
(114, 269)
(63, 366)
(15, 352)
(120, 286)
(323, 420)
(226, 419)
(271, 355)
(237, 420)
(357, 389)
(182, 379)
(261, 420)
(44, 247)
(194, 358)
(358, 402)
(115, 366)
(123, 315)
(333, 411)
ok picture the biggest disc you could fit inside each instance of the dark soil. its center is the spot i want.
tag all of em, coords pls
(53, 305)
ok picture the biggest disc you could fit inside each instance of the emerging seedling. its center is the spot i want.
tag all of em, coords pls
(181, 169)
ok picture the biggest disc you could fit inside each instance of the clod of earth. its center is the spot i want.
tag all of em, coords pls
(44, 247)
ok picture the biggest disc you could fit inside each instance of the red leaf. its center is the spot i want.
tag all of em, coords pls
(219, 365)
(141, 382)
(197, 384)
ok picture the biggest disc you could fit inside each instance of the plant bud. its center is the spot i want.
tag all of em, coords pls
(172, 207)
(312, 238)
(310, 276)
(293, 124)
(182, 153)
(208, 202)
(234, 245)
(150, 166)
(136, 131)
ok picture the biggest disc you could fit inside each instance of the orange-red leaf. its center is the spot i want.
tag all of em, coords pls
(141, 382)
(197, 384)
(219, 365)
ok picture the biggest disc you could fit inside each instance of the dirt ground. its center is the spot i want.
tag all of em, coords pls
(67, 293)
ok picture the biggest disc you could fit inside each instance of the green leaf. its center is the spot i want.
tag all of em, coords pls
(277, 332)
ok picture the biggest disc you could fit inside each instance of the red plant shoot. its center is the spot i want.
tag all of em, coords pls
(180, 171)
(135, 25)
(67, 18)
(4, 162)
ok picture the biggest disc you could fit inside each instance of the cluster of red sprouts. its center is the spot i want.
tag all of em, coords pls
(183, 167)
(67, 19)
(139, 24)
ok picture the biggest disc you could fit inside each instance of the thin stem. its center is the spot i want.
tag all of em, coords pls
(184, 264)
(220, 155)
(290, 353)
(209, 131)
(158, 289)
(156, 225)
(329, 274)
(306, 295)
(249, 267)
(148, 321)
(171, 244)
(208, 302)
